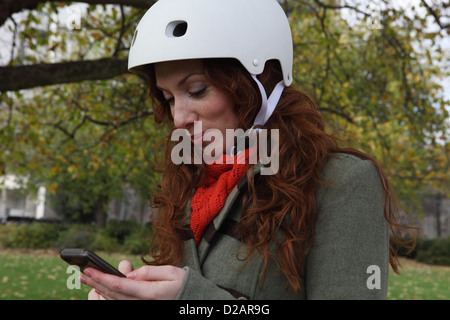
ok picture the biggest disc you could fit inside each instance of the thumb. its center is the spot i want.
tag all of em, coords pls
(125, 267)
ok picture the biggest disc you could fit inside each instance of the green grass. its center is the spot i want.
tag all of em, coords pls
(42, 275)
(419, 281)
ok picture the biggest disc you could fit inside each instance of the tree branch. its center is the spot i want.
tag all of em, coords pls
(122, 31)
(30, 76)
(337, 112)
(336, 7)
(436, 16)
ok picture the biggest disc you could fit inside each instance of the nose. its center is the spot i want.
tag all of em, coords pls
(183, 114)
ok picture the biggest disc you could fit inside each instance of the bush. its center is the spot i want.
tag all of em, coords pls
(138, 242)
(434, 251)
(125, 236)
(33, 236)
(4, 235)
(76, 236)
(103, 242)
(120, 230)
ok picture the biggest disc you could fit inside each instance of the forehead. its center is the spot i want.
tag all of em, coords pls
(173, 70)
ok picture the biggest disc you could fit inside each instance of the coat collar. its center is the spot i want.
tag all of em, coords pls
(195, 255)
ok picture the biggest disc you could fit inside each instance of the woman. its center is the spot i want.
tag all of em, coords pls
(315, 227)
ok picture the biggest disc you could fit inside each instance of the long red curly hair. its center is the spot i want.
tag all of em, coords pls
(283, 202)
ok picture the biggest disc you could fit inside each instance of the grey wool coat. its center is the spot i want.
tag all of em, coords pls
(349, 257)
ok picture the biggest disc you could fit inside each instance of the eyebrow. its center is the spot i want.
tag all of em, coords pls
(182, 81)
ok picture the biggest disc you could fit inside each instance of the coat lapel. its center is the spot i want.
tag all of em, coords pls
(190, 255)
(222, 219)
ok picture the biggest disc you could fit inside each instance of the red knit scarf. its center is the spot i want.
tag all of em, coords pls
(209, 199)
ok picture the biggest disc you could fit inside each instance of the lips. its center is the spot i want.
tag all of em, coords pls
(197, 138)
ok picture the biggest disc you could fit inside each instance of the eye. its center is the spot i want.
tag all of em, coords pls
(199, 93)
(169, 101)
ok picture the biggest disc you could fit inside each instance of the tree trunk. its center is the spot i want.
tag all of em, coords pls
(101, 213)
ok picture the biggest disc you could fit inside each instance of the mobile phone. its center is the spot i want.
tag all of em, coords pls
(87, 259)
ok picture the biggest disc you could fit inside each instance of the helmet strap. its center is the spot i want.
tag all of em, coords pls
(268, 103)
(267, 108)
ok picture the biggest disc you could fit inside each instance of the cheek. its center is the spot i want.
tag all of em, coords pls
(221, 109)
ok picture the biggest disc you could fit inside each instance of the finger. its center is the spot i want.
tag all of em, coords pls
(110, 286)
(166, 283)
(94, 295)
(158, 282)
(157, 273)
(102, 295)
(125, 267)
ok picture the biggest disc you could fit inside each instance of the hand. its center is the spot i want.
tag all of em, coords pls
(125, 267)
(146, 283)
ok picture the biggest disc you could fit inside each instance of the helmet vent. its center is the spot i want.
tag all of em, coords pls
(176, 29)
(134, 37)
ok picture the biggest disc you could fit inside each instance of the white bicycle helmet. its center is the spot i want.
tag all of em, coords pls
(251, 31)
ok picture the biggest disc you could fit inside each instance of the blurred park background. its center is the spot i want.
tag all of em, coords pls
(78, 140)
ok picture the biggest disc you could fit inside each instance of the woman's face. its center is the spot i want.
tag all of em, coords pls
(191, 97)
